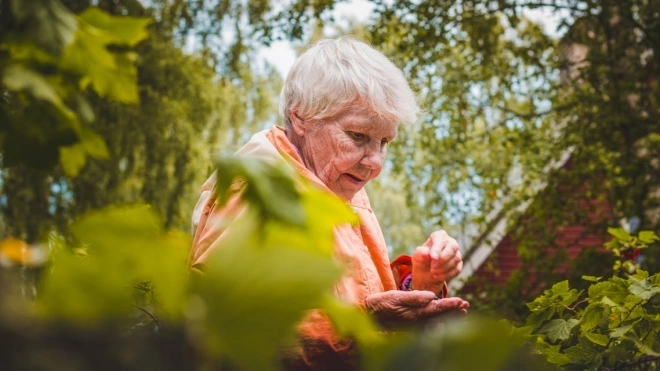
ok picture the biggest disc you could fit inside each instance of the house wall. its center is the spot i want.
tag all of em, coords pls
(504, 260)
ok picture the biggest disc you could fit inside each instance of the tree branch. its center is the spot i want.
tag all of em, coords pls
(150, 315)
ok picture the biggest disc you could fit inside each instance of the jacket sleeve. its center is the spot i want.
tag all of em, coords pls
(210, 221)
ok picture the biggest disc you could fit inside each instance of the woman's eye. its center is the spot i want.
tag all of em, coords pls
(357, 136)
(384, 143)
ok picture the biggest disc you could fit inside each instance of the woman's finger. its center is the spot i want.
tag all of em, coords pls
(446, 255)
(449, 264)
(422, 258)
(442, 306)
(447, 275)
(437, 242)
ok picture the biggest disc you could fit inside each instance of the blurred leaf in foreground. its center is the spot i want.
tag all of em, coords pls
(124, 247)
(269, 188)
(255, 292)
(273, 266)
(471, 343)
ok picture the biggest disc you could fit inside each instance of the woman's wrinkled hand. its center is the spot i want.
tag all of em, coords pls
(411, 308)
(436, 261)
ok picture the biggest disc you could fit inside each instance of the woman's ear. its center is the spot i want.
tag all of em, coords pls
(297, 124)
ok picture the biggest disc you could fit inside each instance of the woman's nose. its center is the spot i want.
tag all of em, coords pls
(373, 158)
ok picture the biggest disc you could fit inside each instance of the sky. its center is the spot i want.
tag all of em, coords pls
(281, 54)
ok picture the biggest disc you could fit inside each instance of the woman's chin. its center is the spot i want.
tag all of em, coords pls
(347, 187)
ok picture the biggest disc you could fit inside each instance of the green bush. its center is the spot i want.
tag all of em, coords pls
(614, 321)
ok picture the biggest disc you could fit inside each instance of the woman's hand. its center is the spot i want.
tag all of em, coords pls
(436, 261)
(409, 308)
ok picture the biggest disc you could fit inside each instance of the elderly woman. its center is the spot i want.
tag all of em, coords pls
(341, 104)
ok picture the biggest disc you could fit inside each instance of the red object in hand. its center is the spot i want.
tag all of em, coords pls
(401, 268)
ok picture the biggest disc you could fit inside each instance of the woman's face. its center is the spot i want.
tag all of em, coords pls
(347, 150)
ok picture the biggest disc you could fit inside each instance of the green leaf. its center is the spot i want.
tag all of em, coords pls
(453, 346)
(558, 329)
(607, 301)
(378, 356)
(619, 233)
(125, 247)
(639, 275)
(642, 347)
(324, 212)
(540, 303)
(591, 278)
(643, 289)
(560, 287)
(615, 288)
(111, 73)
(593, 315)
(123, 30)
(554, 356)
(523, 332)
(648, 237)
(245, 281)
(537, 318)
(351, 321)
(84, 109)
(569, 297)
(72, 159)
(620, 331)
(600, 289)
(613, 245)
(124, 237)
(542, 309)
(93, 144)
(270, 188)
(19, 78)
(599, 339)
(581, 354)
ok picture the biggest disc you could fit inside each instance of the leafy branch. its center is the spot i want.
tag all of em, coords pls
(616, 310)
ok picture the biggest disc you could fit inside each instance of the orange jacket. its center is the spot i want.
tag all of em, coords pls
(361, 248)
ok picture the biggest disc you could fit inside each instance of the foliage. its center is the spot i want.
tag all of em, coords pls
(128, 245)
(49, 58)
(626, 248)
(158, 152)
(126, 272)
(612, 322)
(453, 346)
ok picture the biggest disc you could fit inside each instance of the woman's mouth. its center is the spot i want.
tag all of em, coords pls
(354, 179)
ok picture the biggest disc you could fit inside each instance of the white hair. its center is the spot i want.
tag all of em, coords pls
(336, 74)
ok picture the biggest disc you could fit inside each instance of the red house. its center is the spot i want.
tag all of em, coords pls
(493, 254)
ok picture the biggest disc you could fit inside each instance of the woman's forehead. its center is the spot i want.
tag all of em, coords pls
(368, 122)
